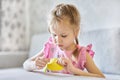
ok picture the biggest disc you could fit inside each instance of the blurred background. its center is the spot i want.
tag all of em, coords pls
(20, 20)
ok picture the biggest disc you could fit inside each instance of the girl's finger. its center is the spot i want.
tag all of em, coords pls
(61, 61)
(39, 67)
(46, 60)
(41, 63)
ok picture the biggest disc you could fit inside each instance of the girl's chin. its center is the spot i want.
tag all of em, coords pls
(61, 48)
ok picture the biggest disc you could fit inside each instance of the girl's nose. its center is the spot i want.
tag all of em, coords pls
(58, 39)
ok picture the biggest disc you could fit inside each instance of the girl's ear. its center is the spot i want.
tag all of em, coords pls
(76, 32)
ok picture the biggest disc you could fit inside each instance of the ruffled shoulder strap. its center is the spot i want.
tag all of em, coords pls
(89, 50)
(82, 55)
(47, 46)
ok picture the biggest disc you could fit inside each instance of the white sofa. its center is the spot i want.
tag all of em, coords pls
(105, 44)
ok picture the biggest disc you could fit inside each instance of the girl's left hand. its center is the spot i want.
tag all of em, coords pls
(67, 63)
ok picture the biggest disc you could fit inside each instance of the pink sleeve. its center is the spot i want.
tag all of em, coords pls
(82, 56)
(47, 46)
(89, 50)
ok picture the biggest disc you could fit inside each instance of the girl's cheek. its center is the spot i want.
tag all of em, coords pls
(54, 41)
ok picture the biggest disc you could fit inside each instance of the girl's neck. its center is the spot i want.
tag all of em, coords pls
(71, 48)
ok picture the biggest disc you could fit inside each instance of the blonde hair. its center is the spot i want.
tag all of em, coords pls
(63, 11)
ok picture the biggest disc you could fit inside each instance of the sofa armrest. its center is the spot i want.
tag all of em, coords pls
(12, 59)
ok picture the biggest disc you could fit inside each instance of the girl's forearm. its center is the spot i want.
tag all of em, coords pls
(83, 73)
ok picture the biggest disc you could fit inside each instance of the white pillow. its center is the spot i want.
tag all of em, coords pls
(37, 43)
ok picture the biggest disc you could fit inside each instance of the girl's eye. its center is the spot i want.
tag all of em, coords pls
(54, 35)
(64, 36)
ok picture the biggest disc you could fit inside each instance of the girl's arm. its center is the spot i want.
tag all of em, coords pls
(29, 64)
(91, 68)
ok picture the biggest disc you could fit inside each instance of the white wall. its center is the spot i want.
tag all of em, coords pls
(95, 14)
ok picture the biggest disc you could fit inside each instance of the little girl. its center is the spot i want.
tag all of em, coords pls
(64, 26)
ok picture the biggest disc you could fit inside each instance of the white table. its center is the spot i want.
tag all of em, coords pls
(21, 74)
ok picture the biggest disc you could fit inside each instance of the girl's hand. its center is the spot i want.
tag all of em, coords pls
(67, 64)
(41, 62)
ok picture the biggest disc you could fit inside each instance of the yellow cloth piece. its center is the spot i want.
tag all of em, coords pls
(53, 65)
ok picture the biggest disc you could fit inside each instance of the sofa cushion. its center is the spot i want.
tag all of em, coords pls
(106, 46)
(37, 43)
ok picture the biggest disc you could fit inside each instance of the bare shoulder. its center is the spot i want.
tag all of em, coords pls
(89, 59)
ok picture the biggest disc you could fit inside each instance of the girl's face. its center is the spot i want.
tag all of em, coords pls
(63, 35)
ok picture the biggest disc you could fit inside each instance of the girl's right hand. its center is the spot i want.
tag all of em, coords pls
(41, 62)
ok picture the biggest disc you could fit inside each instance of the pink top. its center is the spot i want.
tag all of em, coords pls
(52, 51)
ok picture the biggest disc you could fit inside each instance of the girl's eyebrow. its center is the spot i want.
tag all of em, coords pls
(53, 33)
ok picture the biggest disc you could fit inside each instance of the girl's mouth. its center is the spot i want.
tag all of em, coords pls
(60, 45)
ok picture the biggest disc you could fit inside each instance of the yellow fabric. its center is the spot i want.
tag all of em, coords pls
(53, 65)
